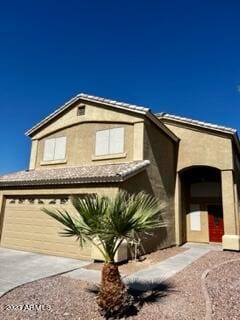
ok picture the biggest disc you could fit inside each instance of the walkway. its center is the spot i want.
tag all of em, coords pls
(163, 270)
(157, 273)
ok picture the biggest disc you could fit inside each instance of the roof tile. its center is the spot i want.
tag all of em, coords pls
(202, 124)
(77, 175)
(113, 103)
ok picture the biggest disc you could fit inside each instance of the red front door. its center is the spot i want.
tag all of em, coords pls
(215, 223)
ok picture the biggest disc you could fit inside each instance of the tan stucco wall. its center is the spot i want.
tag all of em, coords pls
(199, 147)
(201, 235)
(80, 149)
(236, 180)
(92, 113)
(198, 236)
(228, 198)
(202, 148)
(138, 141)
(80, 132)
(33, 155)
(158, 180)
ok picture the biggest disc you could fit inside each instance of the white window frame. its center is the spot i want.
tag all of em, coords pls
(108, 147)
(54, 157)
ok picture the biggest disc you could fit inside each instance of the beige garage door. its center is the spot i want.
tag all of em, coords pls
(26, 227)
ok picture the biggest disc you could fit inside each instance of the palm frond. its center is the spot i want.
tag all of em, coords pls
(108, 221)
(71, 226)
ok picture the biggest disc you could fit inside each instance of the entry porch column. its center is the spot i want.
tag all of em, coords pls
(178, 212)
(231, 238)
(1, 213)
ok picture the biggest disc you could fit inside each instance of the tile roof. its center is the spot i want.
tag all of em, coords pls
(140, 109)
(75, 175)
(52, 115)
(113, 103)
(202, 124)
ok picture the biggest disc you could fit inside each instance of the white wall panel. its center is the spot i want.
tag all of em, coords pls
(102, 142)
(195, 217)
(116, 143)
(60, 148)
(49, 147)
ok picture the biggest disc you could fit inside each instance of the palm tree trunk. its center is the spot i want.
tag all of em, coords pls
(112, 292)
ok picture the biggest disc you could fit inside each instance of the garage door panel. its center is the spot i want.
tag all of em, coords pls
(32, 228)
(49, 246)
(31, 215)
(26, 227)
(31, 220)
(26, 213)
(55, 238)
(13, 243)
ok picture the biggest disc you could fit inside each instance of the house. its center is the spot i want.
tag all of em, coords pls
(93, 145)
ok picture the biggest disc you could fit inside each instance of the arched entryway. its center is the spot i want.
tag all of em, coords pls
(202, 212)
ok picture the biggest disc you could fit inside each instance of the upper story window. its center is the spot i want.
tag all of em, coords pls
(54, 149)
(110, 141)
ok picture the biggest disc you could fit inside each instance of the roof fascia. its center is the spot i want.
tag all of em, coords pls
(162, 126)
(233, 134)
(69, 103)
(54, 114)
(84, 98)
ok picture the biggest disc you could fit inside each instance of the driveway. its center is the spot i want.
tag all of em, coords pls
(19, 267)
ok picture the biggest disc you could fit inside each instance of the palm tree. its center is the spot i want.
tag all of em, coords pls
(106, 223)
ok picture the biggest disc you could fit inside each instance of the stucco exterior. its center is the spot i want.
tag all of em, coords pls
(80, 133)
(200, 147)
(162, 153)
(93, 112)
(189, 166)
(158, 180)
(81, 145)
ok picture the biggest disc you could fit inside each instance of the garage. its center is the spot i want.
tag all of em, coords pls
(26, 227)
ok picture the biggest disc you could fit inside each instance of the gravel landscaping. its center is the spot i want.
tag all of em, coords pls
(181, 298)
(223, 286)
(146, 261)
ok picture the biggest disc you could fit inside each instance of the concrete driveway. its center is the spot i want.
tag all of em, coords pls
(19, 267)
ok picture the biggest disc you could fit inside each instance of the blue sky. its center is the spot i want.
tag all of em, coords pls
(182, 57)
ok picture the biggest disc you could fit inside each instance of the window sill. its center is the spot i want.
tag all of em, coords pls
(46, 163)
(109, 156)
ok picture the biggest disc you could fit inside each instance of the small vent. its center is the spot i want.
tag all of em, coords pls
(81, 110)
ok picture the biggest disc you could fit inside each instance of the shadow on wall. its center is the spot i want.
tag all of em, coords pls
(159, 238)
(138, 183)
(163, 154)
